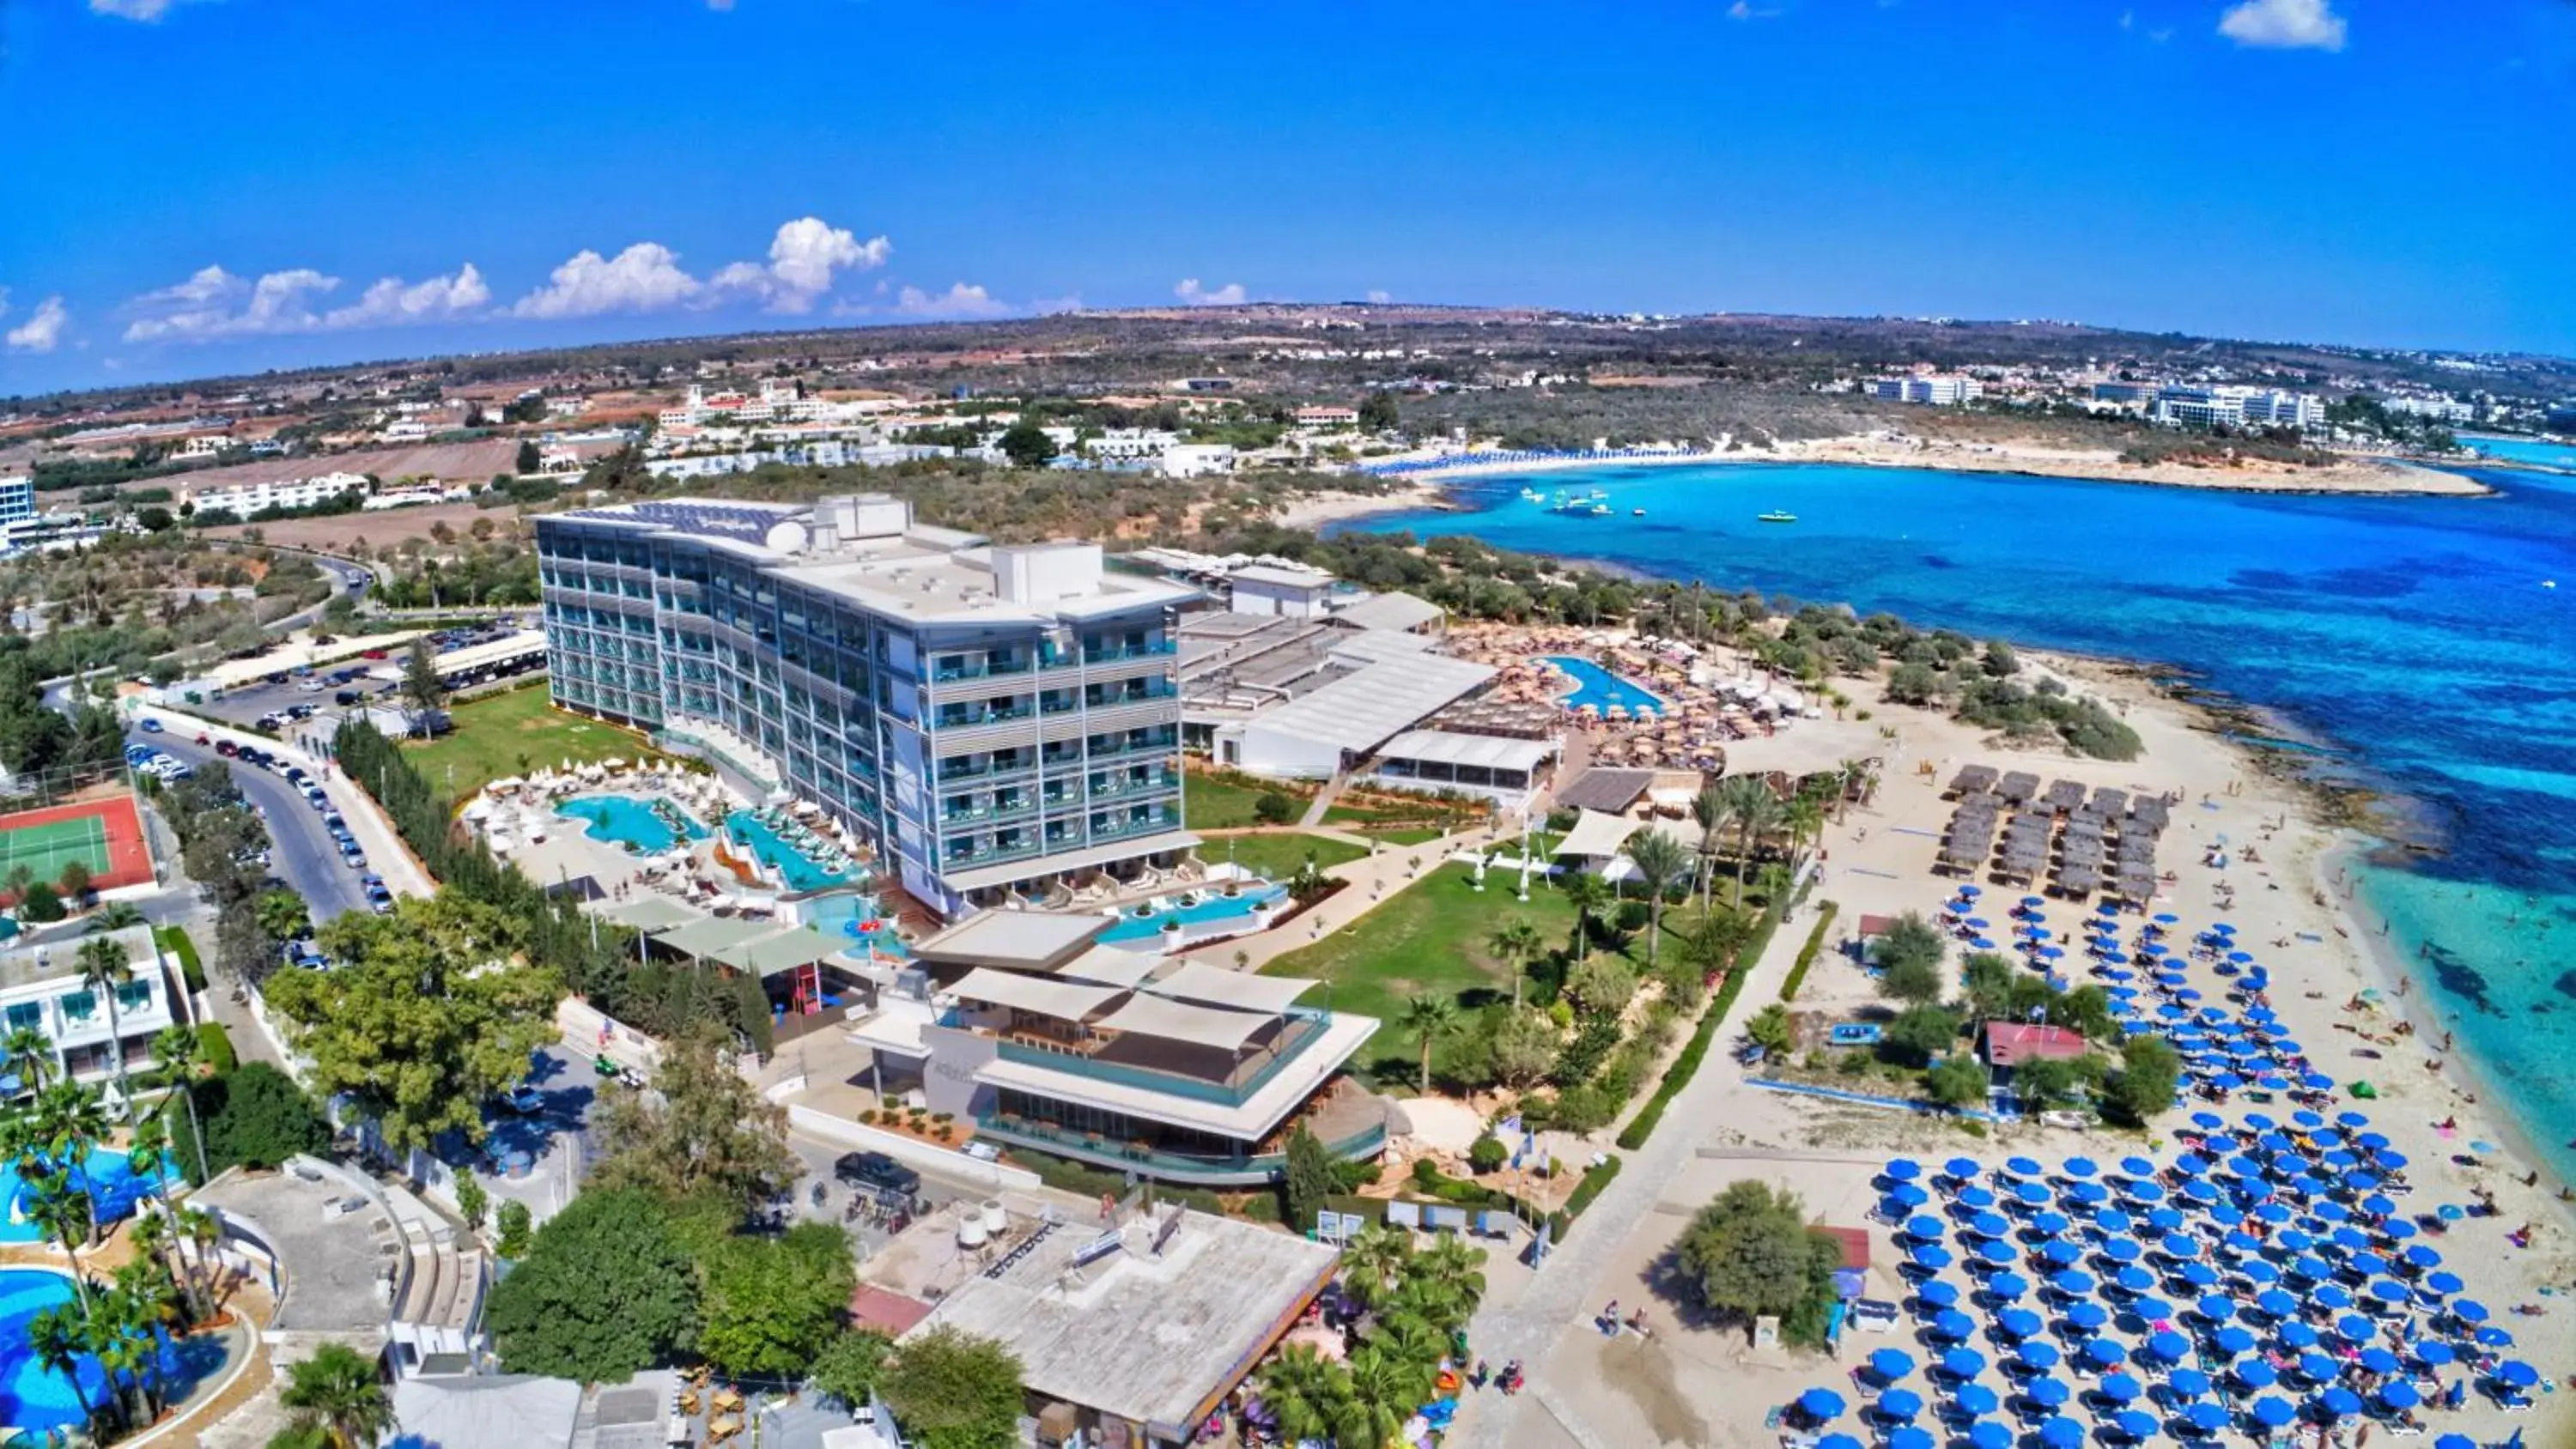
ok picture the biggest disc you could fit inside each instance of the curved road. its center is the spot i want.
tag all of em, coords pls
(301, 852)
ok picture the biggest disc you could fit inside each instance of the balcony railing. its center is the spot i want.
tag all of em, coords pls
(1305, 1026)
(1240, 1166)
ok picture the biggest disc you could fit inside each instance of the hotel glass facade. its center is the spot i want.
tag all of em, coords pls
(980, 741)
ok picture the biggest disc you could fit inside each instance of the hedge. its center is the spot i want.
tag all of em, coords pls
(215, 1048)
(175, 940)
(1595, 1180)
(1807, 953)
(1686, 1063)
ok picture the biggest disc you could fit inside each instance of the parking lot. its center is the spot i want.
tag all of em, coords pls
(264, 703)
(540, 1157)
(302, 853)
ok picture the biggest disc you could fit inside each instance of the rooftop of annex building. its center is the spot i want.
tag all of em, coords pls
(869, 549)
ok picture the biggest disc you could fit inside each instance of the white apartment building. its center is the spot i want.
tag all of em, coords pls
(205, 445)
(1927, 390)
(17, 499)
(1126, 444)
(2236, 407)
(41, 988)
(1195, 460)
(2441, 409)
(1328, 417)
(243, 500)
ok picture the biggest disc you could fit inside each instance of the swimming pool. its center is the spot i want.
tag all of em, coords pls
(1600, 689)
(643, 826)
(799, 870)
(35, 1397)
(114, 1189)
(839, 914)
(1212, 910)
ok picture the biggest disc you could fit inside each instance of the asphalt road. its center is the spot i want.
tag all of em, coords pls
(301, 852)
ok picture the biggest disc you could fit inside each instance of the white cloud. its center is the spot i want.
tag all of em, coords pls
(1189, 291)
(392, 302)
(2284, 25)
(1744, 10)
(146, 11)
(214, 304)
(645, 277)
(42, 330)
(1057, 306)
(1379, 296)
(960, 300)
(802, 259)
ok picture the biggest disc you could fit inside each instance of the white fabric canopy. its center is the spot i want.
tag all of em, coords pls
(1066, 1000)
(1215, 986)
(1156, 1016)
(1596, 835)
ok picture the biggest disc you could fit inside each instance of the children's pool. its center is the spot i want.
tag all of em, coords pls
(33, 1396)
(800, 871)
(643, 826)
(114, 1189)
(1600, 689)
(839, 915)
(1208, 909)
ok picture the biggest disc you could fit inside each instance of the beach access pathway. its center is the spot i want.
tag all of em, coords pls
(1567, 1287)
(1370, 881)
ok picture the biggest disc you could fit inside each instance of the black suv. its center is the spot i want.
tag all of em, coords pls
(876, 1170)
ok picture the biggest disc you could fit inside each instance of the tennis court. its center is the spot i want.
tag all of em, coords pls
(104, 835)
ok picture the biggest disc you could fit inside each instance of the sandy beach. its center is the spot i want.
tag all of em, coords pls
(2283, 888)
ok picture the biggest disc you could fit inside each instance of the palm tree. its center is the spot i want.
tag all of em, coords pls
(338, 1390)
(29, 1055)
(1306, 1390)
(1518, 942)
(1661, 860)
(116, 1336)
(175, 1048)
(1452, 1273)
(281, 914)
(59, 1340)
(1371, 1261)
(115, 916)
(201, 1231)
(65, 1214)
(1427, 1019)
(1756, 814)
(1385, 1390)
(1588, 894)
(1805, 819)
(1852, 777)
(1712, 809)
(105, 966)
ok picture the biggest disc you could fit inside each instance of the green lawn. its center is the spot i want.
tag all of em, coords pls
(494, 734)
(1210, 804)
(1429, 938)
(1279, 856)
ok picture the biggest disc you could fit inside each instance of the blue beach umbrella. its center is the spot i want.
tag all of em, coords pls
(1960, 1169)
(1932, 1256)
(1963, 1363)
(2317, 1368)
(2254, 1373)
(2135, 1424)
(2205, 1418)
(2354, 1328)
(2049, 1222)
(2133, 1279)
(2198, 1275)
(2103, 1353)
(2087, 1317)
(2338, 1401)
(2272, 1411)
(2046, 1392)
(1904, 1169)
(2021, 1323)
(1976, 1198)
(2189, 1383)
(2151, 1310)
(2021, 1167)
(2377, 1360)
(2231, 1341)
(2008, 1286)
(1838, 1441)
(1903, 1198)
(1900, 1404)
(2469, 1310)
(1951, 1324)
(2087, 1194)
(1995, 1251)
(2513, 1373)
(2433, 1353)
(2423, 1255)
(2216, 1307)
(2295, 1334)
(2178, 1246)
(2061, 1252)
(2166, 1347)
(1890, 1363)
(1975, 1399)
(1821, 1405)
(2122, 1250)
(1987, 1434)
(1937, 1294)
(2455, 1441)
(2038, 1355)
(2074, 1283)
(2490, 1336)
(2275, 1303)
(1909, 1437)
(1923, 1226)
(2061, 1433)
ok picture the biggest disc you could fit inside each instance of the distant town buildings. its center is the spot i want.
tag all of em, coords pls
(1934, 391)
(17, 500)
(244, 499)
(2439, 409)
(2217, 405)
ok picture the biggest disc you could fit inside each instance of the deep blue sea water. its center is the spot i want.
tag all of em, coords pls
(2415, 637)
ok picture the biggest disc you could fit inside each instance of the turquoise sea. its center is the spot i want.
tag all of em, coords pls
(2417, 640)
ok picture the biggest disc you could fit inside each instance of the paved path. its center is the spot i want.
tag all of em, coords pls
(1567, 1288)
(1373, 880)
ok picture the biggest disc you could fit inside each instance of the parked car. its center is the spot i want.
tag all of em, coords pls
(347, 697)
(878, 1171)
(227, 748)
(150, 726)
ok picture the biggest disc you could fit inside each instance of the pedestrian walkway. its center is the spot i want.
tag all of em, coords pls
(1371, 881)
(1569, 1283)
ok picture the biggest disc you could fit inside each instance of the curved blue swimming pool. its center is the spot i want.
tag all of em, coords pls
(33, 1396)
(113, 1185)
(636, 824)
(1599, 688)
(800, 871)
(1138, 924)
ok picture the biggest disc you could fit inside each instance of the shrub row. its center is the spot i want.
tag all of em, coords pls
(175, 940)
(1686, 1065)
(1807, 953)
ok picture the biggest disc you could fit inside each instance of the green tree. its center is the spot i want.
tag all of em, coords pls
(282, 915)
(1273, 807)
(1712, 810)
(528, 461)
(1986, 985)
(422, 689)
(1661, 862)
(2000, 660)
(1909, 955)
(74, 881)
(2046, 1082)
(1914, 980)
(340, 1392)
(1917, 684)
(59, 1338)
(1756, 813)
(771, 1304)
(427, 1019)
(1307, 1391)
(850, 1367)
(1751, 1253)
(514, 1227)
(953, 1390)
(471, 1199)
(703, 1127)
(1602, 984)
(1920, 1033)
(1307, 1179)
(2142, 1089)
(1427, 1019)
(1770, 1028)
(1378, 412)
(1523, 1045)
(41, 904)
(1374, 1261)
(605, 1291)
(1956, 1081)
(256, 1116)
(1026, 444)
(1590, 896)
(1487, 1154)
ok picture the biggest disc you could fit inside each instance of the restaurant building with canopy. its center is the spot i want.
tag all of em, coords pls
(1027, 1026)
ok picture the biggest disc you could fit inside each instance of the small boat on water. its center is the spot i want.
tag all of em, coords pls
(1636, 513)
(1777, 515)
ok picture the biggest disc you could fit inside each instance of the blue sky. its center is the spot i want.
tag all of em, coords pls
(205, 186)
